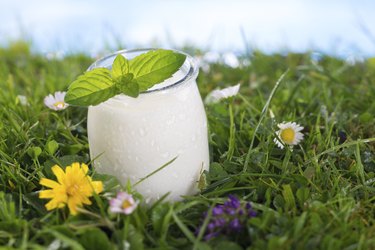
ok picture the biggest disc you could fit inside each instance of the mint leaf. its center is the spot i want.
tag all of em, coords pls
(127, 77)
(127, 85)
(155, 66)
(130, 88)
(120, 66)
(92, 88)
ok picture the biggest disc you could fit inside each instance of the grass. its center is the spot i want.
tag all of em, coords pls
(320, 195)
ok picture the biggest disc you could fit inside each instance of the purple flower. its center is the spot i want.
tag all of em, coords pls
(220, 222)
(233, 202)
(211, 235)
(123, 203)
(211, 226)
(228, 218)
(250, 211)
(217, 210)
(235, 224)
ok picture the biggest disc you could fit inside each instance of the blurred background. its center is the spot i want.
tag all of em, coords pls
(337, 27)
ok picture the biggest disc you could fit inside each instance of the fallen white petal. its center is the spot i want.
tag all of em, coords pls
(217, 95)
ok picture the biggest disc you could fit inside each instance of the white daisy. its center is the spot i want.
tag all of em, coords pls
(56, 101)
(123, 203)
(289, 134)
(219, 94)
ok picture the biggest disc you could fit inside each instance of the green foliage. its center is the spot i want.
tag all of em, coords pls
(51, 147)
(92, 88)
(120, 67)
(155, 66)
(318, 196)
(126, 77)
(94, 238)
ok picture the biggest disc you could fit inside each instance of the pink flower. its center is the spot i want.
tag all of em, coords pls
(123, 203)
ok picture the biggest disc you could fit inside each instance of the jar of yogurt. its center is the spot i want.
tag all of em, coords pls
(130, 138)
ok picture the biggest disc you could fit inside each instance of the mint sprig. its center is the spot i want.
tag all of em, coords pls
(129, 77)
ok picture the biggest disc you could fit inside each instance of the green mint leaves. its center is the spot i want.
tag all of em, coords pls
(92, 88)
(129, 77)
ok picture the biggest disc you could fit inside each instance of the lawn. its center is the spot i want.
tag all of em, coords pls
(320, 194)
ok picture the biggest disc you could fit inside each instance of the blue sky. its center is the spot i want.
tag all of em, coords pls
(336, 27)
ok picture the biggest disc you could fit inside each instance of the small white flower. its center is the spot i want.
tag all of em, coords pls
(289, 133)
(211, 57)
(123, 203)
(231, 60)
(56, 101)
(23, 100)
(219, 94)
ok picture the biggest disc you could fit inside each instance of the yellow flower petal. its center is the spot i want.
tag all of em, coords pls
(72, 205)
(61, 205)
(48, 183)
(59, 173)
(85, 168)
(68, 170)
(52, 204)
(61, 197)
(86, 201)
(47, 194)
(86, 190)
(98, 186)
(76, 169)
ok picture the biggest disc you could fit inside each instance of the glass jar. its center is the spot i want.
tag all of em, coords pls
(132, 137)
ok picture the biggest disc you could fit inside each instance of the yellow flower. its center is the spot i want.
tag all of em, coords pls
(73, 187)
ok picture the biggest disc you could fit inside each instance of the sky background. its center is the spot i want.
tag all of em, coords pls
(343, 28)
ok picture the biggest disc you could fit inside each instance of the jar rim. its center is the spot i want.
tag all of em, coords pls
(191, 72)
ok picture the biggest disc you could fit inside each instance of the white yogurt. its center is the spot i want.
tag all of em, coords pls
(132, 137)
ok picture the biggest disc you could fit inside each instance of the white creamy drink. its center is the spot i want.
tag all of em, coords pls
(132, 137)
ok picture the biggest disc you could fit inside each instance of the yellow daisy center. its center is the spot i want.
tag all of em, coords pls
(59, 104)
(126, 204)
(288, 135)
